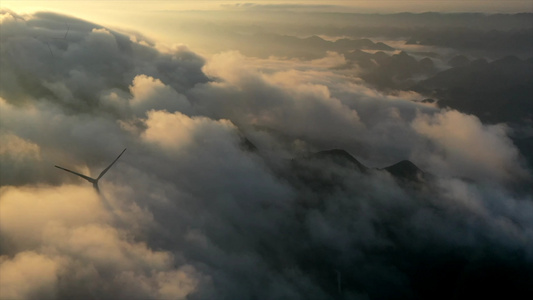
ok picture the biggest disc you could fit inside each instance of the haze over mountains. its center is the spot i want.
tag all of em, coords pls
(284, 153)
(497, 91)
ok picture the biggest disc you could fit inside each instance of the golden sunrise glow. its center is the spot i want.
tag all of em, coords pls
(153, 18)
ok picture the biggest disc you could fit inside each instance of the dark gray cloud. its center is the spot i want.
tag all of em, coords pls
(90, 60)
(188, 213)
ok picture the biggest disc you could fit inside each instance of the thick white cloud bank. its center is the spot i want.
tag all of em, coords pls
(189, 213)
(468, 147)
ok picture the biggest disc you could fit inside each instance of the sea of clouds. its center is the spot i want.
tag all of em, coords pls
(189, 213)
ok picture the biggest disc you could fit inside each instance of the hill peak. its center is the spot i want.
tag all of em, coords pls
(340, 157)
(405, 169)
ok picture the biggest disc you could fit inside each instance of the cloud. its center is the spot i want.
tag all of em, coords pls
(17, 154)
(174, 131)
(70, 241)
(91, 60)
(27, 276)
(145, 93)
(278, 101)
(189, 213)
(146, 89)
(463, 144)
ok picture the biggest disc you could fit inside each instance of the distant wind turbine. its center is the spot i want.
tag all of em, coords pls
(54, 38)
(65, 37)
(339, 282)
(51, 53)
(92, 180)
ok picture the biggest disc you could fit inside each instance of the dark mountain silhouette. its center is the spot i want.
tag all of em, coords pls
(508, 60)
(326, 171)
(391, 72)
(405, 169)
(499, 91)
(339, 157)
(313, 47)
(425, 54)
(381, 57)
(459, 61)
(491, 41)
(247, 145)
(288, 45)
(363, 59)
(344, 44)
(365, 44)
(525, 146)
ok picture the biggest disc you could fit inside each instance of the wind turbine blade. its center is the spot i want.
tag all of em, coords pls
(65, 36)
(106, 169)
(68, 27)
(76, 173)
(51, 53)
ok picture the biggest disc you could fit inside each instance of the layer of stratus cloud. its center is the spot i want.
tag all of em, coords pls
(187, 213)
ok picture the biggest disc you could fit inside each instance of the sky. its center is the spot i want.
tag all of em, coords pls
(118, 13)
(383, 6)
(157, 23)
(273, 151)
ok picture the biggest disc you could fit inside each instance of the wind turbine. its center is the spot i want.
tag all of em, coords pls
(65, 37)
(54, 38)
(339, 282)
(92, 180)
